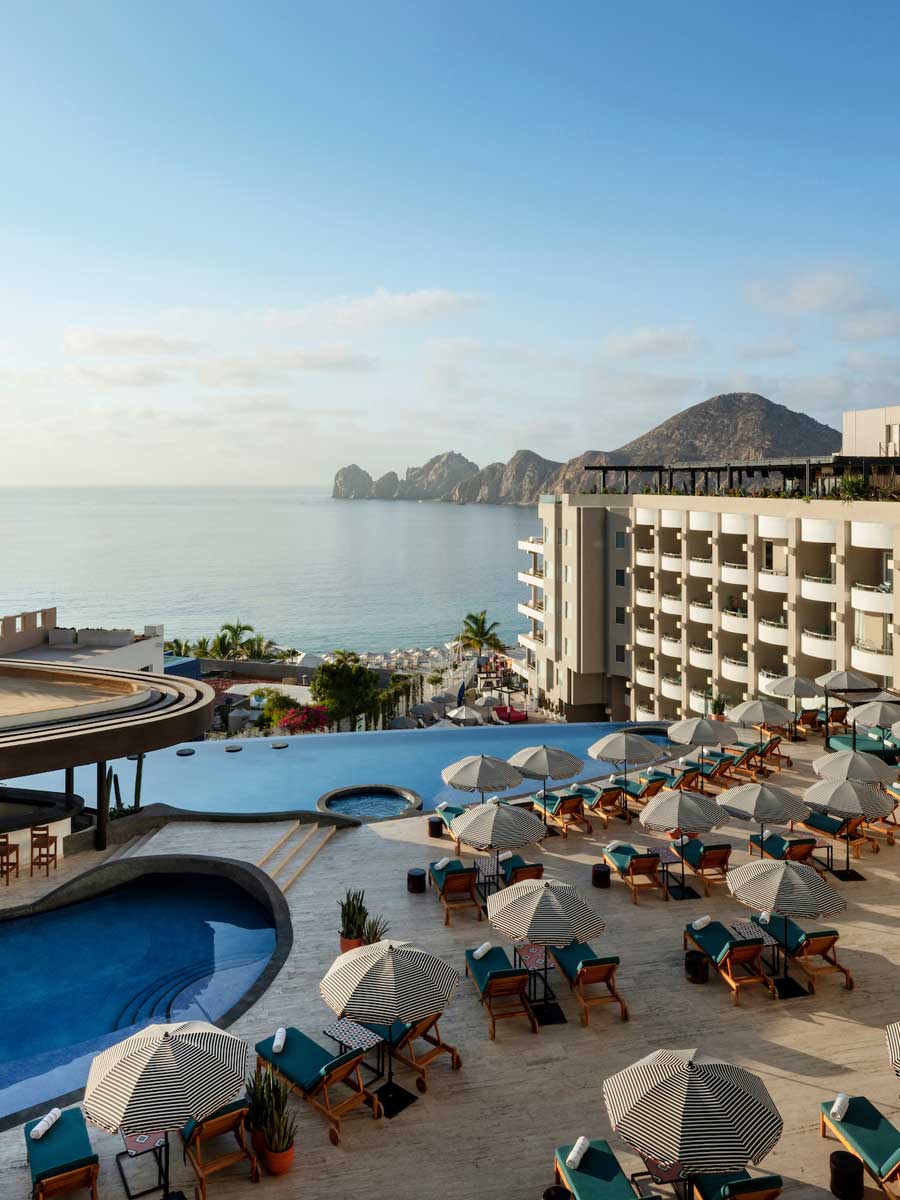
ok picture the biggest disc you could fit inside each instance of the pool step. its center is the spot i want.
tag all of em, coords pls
(288, 833)
(289, 849)
(324, 835)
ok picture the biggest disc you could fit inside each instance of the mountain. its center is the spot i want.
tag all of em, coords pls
(735, 425)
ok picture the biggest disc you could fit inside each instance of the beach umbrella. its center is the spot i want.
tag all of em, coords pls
(765, 803)
(464, 715)
(422, 709)
(626, 747)
(403, 723)
(877, 714)
(162, 1077)
(797, 688)
(761, 712)
(545, 763)
(496, 826)
(481, 773)
(674, 810)
(443, 723)
(444, 698)
(846, 799)
(489, 702)
(684, 1109)
(701, 731)
(842, 681)
(855, 765)
(892, 1037)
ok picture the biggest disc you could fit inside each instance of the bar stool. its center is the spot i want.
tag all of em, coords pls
(9, 857)
(43, 848)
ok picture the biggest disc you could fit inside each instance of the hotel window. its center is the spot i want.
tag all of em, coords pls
(620, 577)
(567, 608)
(566, 647)
(620, 616)
(620, 654)
(565, 537)
(620, 539)
(768, 556)
(566, 573)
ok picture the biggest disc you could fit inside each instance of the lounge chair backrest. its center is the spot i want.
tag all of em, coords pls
(744, 950)
(715, 856)
(458, 882)
(512, 981)
(337, 1070)
(644, 864)
(218, 1123)
(526, 871)
(818, 943)
(570, 804)
(597, 970)
(418, 1029)
(799, 851)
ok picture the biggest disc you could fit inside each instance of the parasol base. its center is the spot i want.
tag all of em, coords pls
(394, 1099)
(549, 1014)
(685, 892)
(789, 989)
(848, 875)
(174, 1196)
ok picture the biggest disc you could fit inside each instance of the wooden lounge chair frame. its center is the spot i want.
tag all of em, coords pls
(594, 974)
(459, 890)
(682, 779)
(642, 872)
(765, 1191)
(69, 1181)
(821, 946)
(713, 865)
(852, 829)
(214, 1127)
(425, 1030)
(525, 871)
(505, 996)
(607, 803)
(828, 1124)
(570, 811)
(799, 852)
(744, 958)
(649, 788)
(348, 1073)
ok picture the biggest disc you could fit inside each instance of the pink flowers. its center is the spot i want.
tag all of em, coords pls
(305, 718)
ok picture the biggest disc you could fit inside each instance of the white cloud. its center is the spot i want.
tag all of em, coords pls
(663, 342)
(379, 309)
(120, 377)
(768, 348)
(276, 366)
(823, 290)
(871, 324)
(135, 343)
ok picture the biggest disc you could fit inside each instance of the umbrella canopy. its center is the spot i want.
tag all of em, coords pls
(443, 723)
(403, 723)
(762, 712)
(762, 802)
(787, 888)
(848, 798)
(495, 826)
(625, 746)
(444, 698)
(796, 687)
(543, 912)
(685, 1108)
(388, 981)
(892, 1037)
(546, 762)
(465, 715)
(164, 1076)
(422, 710)
(845, 681)
(700, 731)
(495, 702)
(880, 713)
(855, 765)
(481, 773)
(690, 812)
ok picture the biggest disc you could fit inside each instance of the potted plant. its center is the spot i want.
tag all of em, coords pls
(258, 1102)
(280, 1129)
(374, 930)
(354, 915)
(718, 708)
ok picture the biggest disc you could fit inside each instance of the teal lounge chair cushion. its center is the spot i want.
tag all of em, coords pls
(823, 823)
(440, 874)
(549, 803)
(776, 846)
(450, 813)
(512, 864)
(709, 767)
(723, 1187)
(789, 933)
(392, 1034)
(188, 1130)
(495, 963)
(872, 1136)
(715, 941)
(597, 1177)
(574, 958)
(621, 856)
(303, 1061)
(692, 850)
(62, 1148)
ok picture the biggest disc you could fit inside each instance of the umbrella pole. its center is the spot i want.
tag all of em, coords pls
(544, 797)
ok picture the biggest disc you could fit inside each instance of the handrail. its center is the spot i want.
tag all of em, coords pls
(676, 679)
(699, 559)
(818, 633)
(819, 579)
(671, 596)
(703, 649)
(737, 662)
(886, 589)
(700, 604)
(736, 566)
(772, 571)
(873, 649)
(735, 612)
(773, 624)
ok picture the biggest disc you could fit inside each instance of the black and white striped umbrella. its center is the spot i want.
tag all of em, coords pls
(788, 888)
(762, 802)
(388, 981)
(760, 712)
(892, 1037)
(674, 808)
(686, 1109)
(543, 912)
(855, 765)
(481, 773)
(495, 826)
(700, 731)
(164, 1076)
(626, 746)
(546, 762)
(847, 798)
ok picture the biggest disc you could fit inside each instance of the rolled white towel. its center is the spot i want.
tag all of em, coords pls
(440, 807)
(482, 950)
(840, 1106)
(279, 1039)
(577, 1153)
(614, 845)
(701, 922)
(441, 863)
(45, 1124)
(504, 856)
(765, 917)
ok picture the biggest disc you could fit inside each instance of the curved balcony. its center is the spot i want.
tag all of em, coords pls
(735, 669)
(869, 535)
(818, 644)
(872, 660)
(670, 646)
(774, 633)
(702, 521)
(819, 587)
(645, 597)
(672, 562)
(701, 613)
(533, 609)
(772, 581)
(645, 516)
(765, 679)
(533, 641)
(645, 558)
(733, 620)
(671, 518)
(701, 656)
(772, 527)
(670, 686)
(533, 577)
(701, 568)
(698, 702)
(738, 573)
(645, 636)
(644, 714)
(873, 598)
(673, 605)
(645, 676)
(814, 530)
(739, 523)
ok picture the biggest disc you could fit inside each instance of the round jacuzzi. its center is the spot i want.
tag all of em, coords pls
(370, 802)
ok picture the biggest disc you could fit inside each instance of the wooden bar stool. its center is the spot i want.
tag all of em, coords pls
(9, 857)
(43, 848)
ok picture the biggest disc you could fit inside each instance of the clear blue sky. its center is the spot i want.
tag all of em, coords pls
(295, 235)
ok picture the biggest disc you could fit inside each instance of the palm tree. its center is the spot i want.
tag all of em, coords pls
(179, 646)
(258, 647)
(202, 649)
(236, 631)
(345, 656)
(222, 647)
(477, 634)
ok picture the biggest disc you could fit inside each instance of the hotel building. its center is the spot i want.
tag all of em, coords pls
(652, 605)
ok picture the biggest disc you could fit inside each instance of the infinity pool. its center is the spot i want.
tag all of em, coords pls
(262, 778)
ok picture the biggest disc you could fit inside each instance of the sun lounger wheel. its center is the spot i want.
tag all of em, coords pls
(334, 1136)
(456, 1061)
(421, 1085)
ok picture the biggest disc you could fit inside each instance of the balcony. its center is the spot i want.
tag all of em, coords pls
(698, 702)
(670, 686)
(644, 557)
(773, 527)
(672, 562)
(812, 530)
(739, 523)
(645, 636)
(735, 669)
(738, 573)
(701, 656)
(673, 605)
(645, 676)
(645, 597)
(774, 633)
(873, 660)
(871, 536)
(765, 679)
(671, 518)
(671, 647)
(532, 641)
(700, 568)
(702, 521)
(819, 644)
(645, 516)
(701, 613)
(735, 620)
(769, 580)
(533, 577)
(532, 545)
(819, 587)
(644, 714)
(873, 598)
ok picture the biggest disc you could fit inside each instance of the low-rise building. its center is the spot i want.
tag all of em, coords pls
(36, 637)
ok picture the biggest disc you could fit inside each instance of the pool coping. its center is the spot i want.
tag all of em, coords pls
(413, 801)
(109, 875)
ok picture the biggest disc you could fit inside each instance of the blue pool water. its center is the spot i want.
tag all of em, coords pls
(261, 779)
(79, 978)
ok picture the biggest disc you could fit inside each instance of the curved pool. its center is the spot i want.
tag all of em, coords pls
(75, 979)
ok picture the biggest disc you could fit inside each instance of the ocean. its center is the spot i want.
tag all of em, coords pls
(304, 569)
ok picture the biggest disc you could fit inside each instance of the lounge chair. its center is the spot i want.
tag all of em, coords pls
(638, 869)
(597, 1177)
(676, 779)
(734, 1184)
(515, 869)
(786, 849)
(848, 829)
(581, 968)
(641, 789)
(456, 887)
(730, 954)
(743, 761)
(804, 946)
(708, 860)
(717, 771)
(231, 1119)
(808, 722)
(62, 1160)
(447, 814)
(605, 801)
(502, 987)
(312, 1071)
(562, 810)
(766, 753)
(868, 1135)
(401, 1038)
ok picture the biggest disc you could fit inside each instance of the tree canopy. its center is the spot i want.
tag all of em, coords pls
(479, 634)
(345, 687)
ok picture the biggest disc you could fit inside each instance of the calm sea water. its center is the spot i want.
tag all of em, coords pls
(306, 570)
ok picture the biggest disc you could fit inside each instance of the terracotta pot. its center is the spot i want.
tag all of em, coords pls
(277, 1162)
(718, 716)
(349, 943)
(258, 1142)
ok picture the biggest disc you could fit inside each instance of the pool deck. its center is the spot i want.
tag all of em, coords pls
(492, 1127)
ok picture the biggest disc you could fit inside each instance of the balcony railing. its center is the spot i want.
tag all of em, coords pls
(819, 578)
(772, 624)
(827, 635)
(886, 589)
(734, 612)
(772, 571)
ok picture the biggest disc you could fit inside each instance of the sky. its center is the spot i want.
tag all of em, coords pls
(254, 243)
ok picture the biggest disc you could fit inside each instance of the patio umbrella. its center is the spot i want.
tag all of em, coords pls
(444, 698)
(877, 714)
(797, 688)
(842, 681)
(789, 889)
(464, 715)
(481, 773)
(845, 799)
(544, 763)
(403, 723)
(422, 709)
(162, 1077)
(892, 1037)
(761, 712)
(853, 764)
(496, 826)
(674, 810)
(385, 982)
(624, 747)
(489, 702)
(765, 803)
(701, 731)
(689, 1110)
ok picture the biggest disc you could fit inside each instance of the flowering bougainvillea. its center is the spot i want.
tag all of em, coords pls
(305, 718)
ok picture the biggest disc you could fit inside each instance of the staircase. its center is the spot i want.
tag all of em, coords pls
(286, 861)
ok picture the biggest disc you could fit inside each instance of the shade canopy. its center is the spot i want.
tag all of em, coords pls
(687, 1109)
(546, 762)
(845, 681)
(164, 1076)
(673, 809)
(879, 713)
(700, 731)
(489, 702)
(481, 773)
(626, 746)
(847, 798)
(465, 715)
(388, 981)
(762, 802)
(761, 712)
(854, 764)
(495, 826)
(543, 912)
(795, 687)
(788, 888)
